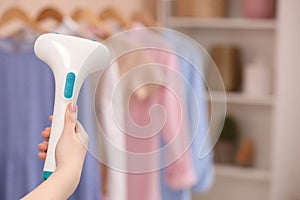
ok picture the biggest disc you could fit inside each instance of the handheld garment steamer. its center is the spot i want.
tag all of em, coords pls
(71, 60)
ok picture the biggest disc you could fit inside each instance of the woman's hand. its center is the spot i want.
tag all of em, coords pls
(72, 145)
(44, 145)
(69, 153)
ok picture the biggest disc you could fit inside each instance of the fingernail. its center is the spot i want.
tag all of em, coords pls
(73, 107)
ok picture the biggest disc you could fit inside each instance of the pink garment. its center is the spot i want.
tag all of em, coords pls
(180, 174)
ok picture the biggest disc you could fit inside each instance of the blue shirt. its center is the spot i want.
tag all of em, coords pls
(191, 67)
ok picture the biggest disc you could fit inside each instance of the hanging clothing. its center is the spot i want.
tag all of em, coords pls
(90, 184)
(109, 130)
(180, 174)
(191, 67)
(26, 102)
(109, 103)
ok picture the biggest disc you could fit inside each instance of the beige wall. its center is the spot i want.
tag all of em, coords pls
(286, 161)
(66, 6)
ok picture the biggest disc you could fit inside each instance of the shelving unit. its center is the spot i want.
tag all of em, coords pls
(242, 99)
(254, 114)
(234, 172)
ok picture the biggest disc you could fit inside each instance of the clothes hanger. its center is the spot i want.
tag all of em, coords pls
(145, 18)
(16, 13)
(50, 12)
(115, 14)
(83, 14)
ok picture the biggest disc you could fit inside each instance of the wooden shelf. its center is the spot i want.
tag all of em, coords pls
(235, 172)
(243, 99)
(222, 23)
(254, 113)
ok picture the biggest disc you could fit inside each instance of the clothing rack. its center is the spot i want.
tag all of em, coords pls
(80, 14)
(103, 25)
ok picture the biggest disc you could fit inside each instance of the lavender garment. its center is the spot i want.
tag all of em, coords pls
(26, 101)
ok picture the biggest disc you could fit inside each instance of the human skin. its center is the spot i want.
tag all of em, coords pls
(70, 153)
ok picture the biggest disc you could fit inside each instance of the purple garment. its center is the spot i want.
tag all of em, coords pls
(26, 101)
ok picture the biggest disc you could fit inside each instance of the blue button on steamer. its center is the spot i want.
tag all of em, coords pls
(69, 85)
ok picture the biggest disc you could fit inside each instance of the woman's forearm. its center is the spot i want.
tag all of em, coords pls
(60, 185)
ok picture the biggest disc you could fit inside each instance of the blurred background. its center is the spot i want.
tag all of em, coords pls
(255, 44)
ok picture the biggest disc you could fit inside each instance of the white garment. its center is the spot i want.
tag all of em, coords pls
(109, 103)
(109, 135)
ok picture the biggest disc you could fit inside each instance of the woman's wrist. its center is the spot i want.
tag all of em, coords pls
(72, 173)
(60, 185)
(67, 179)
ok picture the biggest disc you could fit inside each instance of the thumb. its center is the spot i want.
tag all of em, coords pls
(70, 117)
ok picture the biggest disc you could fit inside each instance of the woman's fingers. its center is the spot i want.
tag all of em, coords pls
(43, 150)
(43, 146)
(46, 133)
(42, 155)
